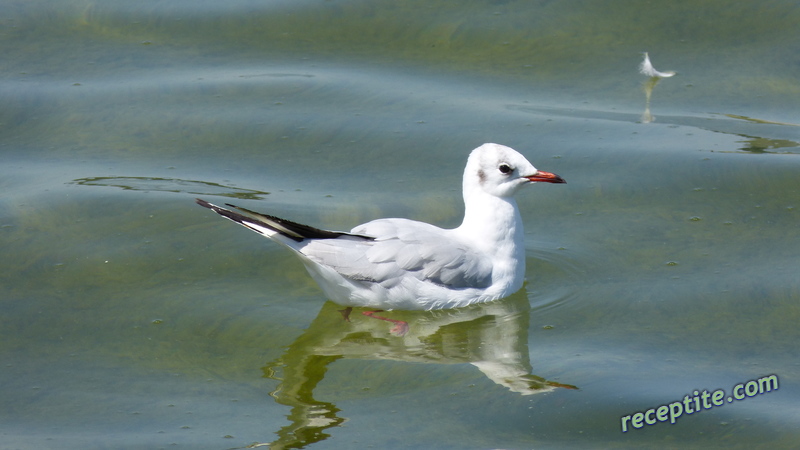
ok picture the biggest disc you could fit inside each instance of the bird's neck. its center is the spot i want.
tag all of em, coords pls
(493, 224)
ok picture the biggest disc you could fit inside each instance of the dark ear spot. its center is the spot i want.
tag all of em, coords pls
(481, 176)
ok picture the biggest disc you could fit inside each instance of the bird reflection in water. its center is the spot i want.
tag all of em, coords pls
(653, 77)
(492, 337)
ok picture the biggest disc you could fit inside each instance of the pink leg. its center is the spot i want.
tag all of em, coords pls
(400, 328)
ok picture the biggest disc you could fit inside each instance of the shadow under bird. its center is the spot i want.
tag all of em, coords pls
(410, 265)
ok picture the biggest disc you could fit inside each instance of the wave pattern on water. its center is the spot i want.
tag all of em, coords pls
(148, 184)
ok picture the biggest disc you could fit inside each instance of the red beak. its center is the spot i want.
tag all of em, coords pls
(545, 177)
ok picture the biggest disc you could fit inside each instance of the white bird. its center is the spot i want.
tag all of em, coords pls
(405, 264)
(646, 68)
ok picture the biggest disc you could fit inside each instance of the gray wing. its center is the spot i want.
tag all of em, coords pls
(403, 248)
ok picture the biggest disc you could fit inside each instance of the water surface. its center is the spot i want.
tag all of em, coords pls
(131, 318)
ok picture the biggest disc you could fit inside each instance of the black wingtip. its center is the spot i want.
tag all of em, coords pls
(203, 203)
(292, 230)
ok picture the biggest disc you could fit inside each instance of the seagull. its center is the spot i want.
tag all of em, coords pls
(403, 264)
(646, 68)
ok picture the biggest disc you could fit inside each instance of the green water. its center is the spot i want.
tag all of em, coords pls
(131, 318)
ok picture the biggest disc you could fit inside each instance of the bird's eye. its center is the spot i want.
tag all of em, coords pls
(505, 168)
